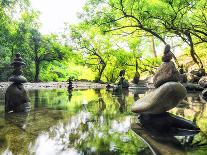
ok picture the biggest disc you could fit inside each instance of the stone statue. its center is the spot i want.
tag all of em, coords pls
(183, 75)
(70, 84)
(167, 71)
(122, 81)
(16, 98)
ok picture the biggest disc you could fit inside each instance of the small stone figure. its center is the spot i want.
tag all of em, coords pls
(16, 98)
(70, 84)
(183, 75)
(122, 81)
(167, 71)
(108, 86)
(137, 75)
(181, 70)
(136, 78)
(167, 54)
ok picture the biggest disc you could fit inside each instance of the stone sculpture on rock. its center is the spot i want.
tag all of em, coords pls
(170, 92)
(183, 75)
(122, 81)
(16, 98)
(167, 71)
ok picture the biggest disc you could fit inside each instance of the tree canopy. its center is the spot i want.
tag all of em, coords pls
(112, 35)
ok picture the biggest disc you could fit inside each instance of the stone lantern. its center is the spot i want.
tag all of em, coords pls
(16, 98)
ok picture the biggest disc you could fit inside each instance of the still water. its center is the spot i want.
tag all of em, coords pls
(93, 121)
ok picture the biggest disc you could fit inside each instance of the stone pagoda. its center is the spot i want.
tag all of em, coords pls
(16, 98)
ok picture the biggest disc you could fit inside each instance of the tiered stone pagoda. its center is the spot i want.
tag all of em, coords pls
(16, 98)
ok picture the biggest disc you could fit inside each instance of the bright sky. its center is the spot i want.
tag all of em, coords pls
(54, 13)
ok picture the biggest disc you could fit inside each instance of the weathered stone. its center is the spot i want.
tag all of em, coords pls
(198, 72)
(192, 87)
(16, 98)
(167, 57)
(183, 78)
(123, 82)
(203, 82)
(160, 100)
(136, 78)
(18, 79)
(192, 78)
(166, 72)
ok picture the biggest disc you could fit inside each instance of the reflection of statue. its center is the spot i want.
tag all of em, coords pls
(16, 99)
(70, 95)
(17, 119)
(102, 104)
(121, 98)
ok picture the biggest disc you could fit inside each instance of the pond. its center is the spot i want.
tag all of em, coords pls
(93, 121)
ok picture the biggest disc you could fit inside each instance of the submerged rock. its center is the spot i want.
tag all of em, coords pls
(160, 100)
(166, 72)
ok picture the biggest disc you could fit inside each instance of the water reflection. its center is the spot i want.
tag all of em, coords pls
(91, 122)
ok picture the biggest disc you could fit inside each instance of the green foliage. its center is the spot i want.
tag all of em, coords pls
(111, 35)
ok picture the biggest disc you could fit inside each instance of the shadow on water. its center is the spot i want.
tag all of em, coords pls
(95, 121)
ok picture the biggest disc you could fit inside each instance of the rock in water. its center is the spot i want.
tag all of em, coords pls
(192, 87)
(160, 100)
(203, 82)
(183, 78)
(16, 99)
(166, 72)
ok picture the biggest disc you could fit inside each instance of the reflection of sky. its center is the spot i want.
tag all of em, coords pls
(60, 143)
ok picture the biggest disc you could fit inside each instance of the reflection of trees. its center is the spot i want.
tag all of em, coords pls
(36, 98)
(70, 95)
(196, 112)
(20, 130)
(121, 98)
(101, 103)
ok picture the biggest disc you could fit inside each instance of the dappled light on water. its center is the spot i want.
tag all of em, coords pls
(93, 121)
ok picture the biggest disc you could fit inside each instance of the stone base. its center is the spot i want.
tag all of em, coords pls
(16, 99)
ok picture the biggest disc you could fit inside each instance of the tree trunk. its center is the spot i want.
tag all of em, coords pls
(193, 54)
(153, 47)
(136, 65)
(37, 71)
(101, 72)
